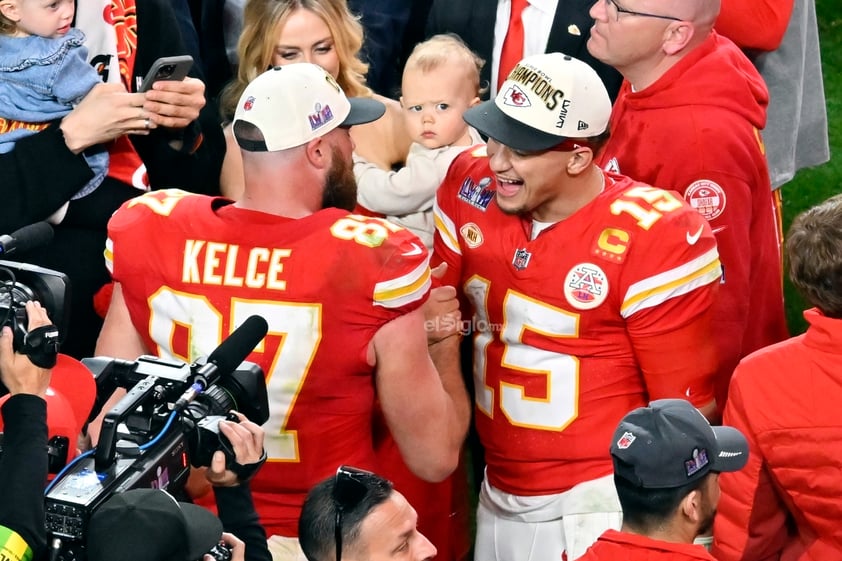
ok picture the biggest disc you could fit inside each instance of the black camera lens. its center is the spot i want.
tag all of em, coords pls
(166, 71)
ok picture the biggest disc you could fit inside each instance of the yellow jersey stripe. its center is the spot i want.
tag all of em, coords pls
(446, 229)
(108, 252)
(679, 280)
(402, 290)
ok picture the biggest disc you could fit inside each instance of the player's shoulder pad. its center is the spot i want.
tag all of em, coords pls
(468, 175)
(377, 234)
(646, 208)
(165, 203)
(469, 159)
(642, 215)
(396, 259)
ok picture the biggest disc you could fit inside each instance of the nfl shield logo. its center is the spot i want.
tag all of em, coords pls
(625, 440)
(521, 259)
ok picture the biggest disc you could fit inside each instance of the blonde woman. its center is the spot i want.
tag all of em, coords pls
(323, 32)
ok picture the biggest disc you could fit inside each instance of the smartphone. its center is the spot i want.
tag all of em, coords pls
(167, 68)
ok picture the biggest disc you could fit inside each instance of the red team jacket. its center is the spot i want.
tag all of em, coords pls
(561, 320)
(324, 283)
(697, 130)
(786, 504)
(614, 545)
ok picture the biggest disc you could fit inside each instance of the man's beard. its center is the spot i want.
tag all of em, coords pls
(340, 188)
(706, 523)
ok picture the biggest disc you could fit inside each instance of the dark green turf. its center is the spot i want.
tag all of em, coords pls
(811, 186)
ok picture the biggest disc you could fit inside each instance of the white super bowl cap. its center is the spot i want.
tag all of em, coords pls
(545, 100)
(291, 105)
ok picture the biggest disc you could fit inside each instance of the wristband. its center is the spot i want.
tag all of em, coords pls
(246, 472)
(13, 546)
(41, 346)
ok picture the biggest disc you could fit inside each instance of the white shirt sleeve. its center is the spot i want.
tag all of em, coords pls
(410, 189)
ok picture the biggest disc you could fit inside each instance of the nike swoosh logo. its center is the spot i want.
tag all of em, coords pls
(719, 229)
(416, 250)
(693, 238)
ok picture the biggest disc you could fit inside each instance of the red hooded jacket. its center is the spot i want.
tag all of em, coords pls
(696, 130)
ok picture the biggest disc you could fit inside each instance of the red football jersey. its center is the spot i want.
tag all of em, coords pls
(556, 318)
(324, 283)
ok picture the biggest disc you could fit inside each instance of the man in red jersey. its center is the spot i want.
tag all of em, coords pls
(590, 295)
(342, 295)
(688, 118)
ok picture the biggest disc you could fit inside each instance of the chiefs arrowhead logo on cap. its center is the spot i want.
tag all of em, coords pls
(516, 97)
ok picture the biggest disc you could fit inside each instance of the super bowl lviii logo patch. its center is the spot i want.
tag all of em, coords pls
(586, 286)
(697, 462)
(476, 194)
(707, 197)
(320, 117)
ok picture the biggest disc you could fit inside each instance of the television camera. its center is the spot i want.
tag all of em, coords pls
(19, 283)
(167, 421)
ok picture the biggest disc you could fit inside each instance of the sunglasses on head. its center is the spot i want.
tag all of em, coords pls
(349, 489)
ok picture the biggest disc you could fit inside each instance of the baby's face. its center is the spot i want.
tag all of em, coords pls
(433, 103)
(45, 18)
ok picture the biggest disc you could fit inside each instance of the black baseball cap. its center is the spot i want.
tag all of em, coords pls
(670, 444)
(150, 525)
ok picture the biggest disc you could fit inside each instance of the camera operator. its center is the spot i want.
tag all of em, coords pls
(140, 525)
(23, 465)
(231, 489)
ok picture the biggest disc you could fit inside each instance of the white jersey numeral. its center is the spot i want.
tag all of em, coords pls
(299, 327)
(557, 374)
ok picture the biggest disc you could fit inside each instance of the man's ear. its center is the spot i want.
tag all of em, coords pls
(580, 160)
(691, 506)
(677, 36)
(318, 153)
(9, 8)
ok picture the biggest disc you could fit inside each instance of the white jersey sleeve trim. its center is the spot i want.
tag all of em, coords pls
(656, 290)
(108, 252)
(405, 289)
(446, 229)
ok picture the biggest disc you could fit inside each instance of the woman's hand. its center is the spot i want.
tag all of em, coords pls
(107, 112)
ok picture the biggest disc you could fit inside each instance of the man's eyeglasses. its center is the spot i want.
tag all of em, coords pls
(622, 10)
(348, 490)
